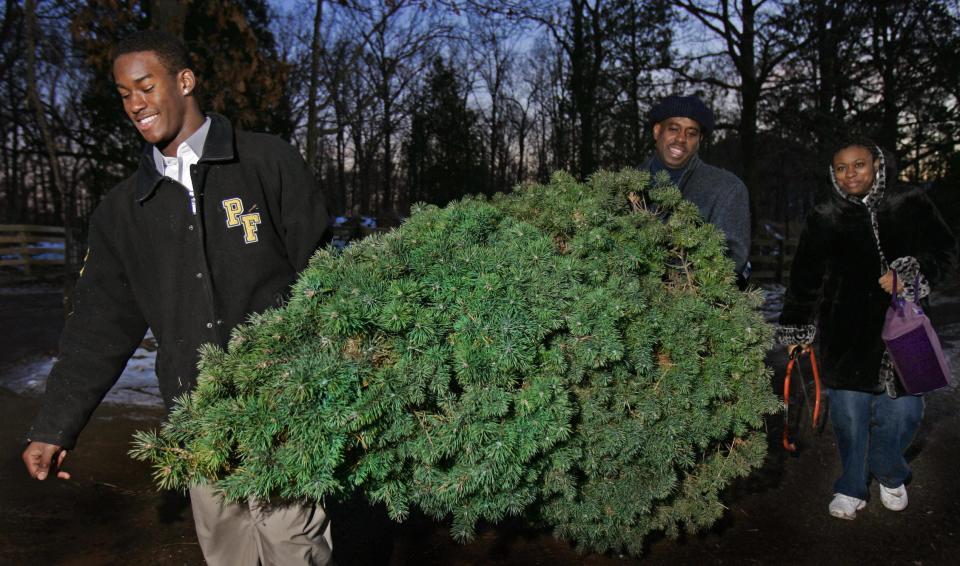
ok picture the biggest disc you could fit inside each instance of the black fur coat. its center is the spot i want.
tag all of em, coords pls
(833, 281)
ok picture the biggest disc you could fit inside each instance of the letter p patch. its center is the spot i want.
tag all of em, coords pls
(234, 208)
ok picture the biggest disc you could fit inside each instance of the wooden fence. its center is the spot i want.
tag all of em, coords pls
(771, 258)
(28, 250)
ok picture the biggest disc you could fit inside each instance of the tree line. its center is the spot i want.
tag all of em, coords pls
(405, 101)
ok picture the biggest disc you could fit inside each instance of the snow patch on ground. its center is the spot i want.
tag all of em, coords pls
(949, 335)
(136, 387)
(30, 289)
(772, 301)
(937, 300)
(950, 341)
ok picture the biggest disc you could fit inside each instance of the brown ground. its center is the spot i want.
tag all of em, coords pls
(110, 513)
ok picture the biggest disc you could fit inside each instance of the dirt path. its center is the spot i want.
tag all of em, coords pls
(110, 513)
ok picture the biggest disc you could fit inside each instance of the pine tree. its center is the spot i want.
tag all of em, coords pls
(577, 354)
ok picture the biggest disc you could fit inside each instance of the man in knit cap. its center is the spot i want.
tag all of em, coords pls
(679, 125)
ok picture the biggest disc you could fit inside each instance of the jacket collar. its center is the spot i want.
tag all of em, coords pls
(219, 147)
(688, 168)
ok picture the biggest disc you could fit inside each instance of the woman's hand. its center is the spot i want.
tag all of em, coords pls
(804, 348)
(886, 283)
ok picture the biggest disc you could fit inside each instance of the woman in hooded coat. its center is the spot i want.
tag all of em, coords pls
(840, 285)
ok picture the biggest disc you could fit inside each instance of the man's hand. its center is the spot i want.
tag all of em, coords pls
(38, 456)
(886, 282)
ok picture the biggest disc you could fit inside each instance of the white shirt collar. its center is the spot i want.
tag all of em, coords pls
(194, 143)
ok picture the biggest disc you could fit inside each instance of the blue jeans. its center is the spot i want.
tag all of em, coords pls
(873, 431)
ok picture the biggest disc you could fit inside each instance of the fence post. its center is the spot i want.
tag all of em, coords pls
(24, 239)
(781, 249)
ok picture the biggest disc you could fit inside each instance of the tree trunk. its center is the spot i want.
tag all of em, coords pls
(11, 170)
(633, 97)
(750, 90)
(825, 24)
(387, 125)
(543, 160)
(579, 86)
(361, 190)
(522, 147)
(890, 119)
(637, 133)
(341, 165)
(493, 181)
(314, 85)
(19, 168)
(168, 16)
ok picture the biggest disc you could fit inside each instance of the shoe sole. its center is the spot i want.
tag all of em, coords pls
(894, 507)
(841, 515)
(846, 516)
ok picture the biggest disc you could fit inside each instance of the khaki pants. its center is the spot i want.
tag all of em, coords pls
(256, 533)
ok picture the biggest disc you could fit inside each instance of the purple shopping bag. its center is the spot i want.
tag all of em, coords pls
(914, 346)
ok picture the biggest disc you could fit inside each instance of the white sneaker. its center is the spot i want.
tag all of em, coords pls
(894, 499)
(845, 507)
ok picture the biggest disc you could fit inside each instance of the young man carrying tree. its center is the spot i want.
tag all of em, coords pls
(213, 226)
(679, 125)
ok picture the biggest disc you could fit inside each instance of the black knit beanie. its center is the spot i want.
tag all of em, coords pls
(683, 106)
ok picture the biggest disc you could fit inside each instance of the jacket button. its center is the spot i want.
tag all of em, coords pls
(219, 322)
(190, 227)
(199, 275)
(209, 325)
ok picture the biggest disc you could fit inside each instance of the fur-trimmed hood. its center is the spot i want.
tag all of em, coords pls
(886, 170)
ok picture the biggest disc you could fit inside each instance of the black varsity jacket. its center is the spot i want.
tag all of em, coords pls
(191, 278)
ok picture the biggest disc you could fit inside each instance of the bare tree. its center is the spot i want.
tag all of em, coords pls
(749, 39)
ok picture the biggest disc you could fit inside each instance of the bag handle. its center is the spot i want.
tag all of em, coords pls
(894, 296)
(916, 293)
(896, 301)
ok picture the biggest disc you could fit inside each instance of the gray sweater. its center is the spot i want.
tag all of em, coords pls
(723, 201)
